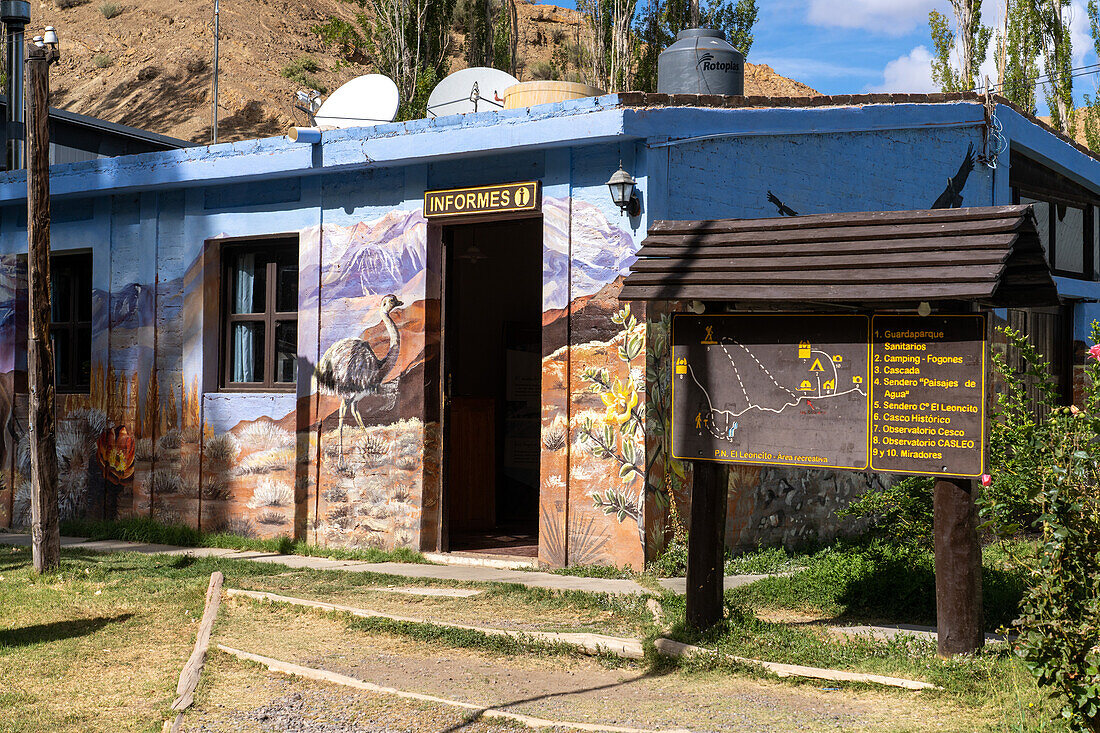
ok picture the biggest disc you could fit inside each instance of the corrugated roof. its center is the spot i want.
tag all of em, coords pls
(989, 255)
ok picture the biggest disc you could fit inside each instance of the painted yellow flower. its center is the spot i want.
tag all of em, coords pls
(620, 400)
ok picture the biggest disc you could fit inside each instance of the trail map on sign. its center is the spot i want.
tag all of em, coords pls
(785, 390)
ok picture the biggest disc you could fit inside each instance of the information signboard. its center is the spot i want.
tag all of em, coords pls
(784, 390)
(899, 394)
(928, 395)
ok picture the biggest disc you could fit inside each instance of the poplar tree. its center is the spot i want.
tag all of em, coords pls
(408, 40)
(1091, 117)
(610, 42)
(1017, 54)
(968, 42)
(491, 34)
(1058, 60)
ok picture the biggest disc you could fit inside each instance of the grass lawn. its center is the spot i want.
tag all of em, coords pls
(143, 529)
(98, 646)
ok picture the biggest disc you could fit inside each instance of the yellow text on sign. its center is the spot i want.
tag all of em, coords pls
(502, 198)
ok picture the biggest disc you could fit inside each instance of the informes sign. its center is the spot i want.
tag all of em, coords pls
(498, 199)
(781, 390)
(899, 394)
(928, 395)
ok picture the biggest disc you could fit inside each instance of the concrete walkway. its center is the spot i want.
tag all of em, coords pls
(409, 570)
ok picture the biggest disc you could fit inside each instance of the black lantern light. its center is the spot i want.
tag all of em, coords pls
(623, 193)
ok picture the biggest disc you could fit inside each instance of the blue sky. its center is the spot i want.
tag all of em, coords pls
(852, 46)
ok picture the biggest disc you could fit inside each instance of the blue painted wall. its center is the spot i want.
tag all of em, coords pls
(354, 202)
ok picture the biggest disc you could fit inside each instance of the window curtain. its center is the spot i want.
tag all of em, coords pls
(242, 332)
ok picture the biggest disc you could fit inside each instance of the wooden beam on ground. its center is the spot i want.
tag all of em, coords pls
(671, 648)
(589, 642)
(706, 540)
(189, 677)
(959, 618)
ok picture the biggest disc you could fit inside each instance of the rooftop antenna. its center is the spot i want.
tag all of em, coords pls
(366, 100)
(476, 89)
(214, 124)
(309, 101)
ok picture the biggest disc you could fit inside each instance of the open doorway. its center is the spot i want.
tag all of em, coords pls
(493, 376)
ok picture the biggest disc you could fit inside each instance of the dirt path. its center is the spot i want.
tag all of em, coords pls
(575, 689)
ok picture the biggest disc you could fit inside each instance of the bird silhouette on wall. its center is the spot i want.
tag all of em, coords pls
(951, 198)
(784, 210)
(350, 369)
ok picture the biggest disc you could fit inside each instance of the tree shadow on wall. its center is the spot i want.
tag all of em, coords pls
(57, 630)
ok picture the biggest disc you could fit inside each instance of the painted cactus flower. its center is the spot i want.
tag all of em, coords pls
(115, 449)
(621, 399)
(1094, 352)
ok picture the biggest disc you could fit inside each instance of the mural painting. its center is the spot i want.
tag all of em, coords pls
(353, 458)
(376, 450)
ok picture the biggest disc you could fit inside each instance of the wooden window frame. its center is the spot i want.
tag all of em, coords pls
(269, 317)
(1054, 200)
(80, 263)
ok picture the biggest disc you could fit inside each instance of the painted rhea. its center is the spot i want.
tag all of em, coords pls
(351, 370)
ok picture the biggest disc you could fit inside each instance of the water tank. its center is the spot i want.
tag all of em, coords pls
(701, 62)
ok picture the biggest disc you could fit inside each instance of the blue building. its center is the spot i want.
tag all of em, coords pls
(263, 336)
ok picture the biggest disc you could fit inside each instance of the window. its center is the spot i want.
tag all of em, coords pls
(71, 321)
(1064, 213)
(261, 316)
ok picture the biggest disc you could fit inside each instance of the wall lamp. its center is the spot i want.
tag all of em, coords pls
(623, 193)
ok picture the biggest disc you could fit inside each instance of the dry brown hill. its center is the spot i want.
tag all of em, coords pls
(150, 65)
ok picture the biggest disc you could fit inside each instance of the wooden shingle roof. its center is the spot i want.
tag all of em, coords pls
(988, 255)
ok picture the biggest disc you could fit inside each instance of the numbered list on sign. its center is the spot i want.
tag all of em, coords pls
(928, 394)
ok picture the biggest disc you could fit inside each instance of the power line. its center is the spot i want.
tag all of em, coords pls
(1045, 78)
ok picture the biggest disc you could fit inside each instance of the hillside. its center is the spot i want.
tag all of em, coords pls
(150, 65)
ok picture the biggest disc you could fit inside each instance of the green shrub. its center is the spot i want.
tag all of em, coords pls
(762, 561)
(544, 71)
(344, 35)
(102, 60)
(902, 512)
(110, 10)
(301, 70)
(1020, 438)
(66, 4)
(1059, 625)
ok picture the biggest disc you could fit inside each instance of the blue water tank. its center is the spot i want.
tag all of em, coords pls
(701, 61)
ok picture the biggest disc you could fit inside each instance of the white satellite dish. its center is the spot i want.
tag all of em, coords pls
(365, 100)
(477, 89)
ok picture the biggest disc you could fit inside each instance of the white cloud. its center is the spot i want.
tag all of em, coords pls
(911, 73)
(891, 17)
(1079, 32)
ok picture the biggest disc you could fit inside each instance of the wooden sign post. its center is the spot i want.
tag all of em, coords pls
(706, 544)
(958, 568)
(45, 531)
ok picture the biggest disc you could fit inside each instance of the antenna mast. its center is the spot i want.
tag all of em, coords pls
(214, 123)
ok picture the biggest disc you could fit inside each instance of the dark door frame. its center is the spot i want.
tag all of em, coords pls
(439, 238)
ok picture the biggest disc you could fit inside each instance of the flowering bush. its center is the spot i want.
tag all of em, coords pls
(1060, 623)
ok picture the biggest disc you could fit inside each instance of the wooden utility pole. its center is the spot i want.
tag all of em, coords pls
(706, 538)
(45, 532)
(959, 617)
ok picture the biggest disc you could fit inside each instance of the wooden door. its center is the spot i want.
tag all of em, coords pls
(471, 465)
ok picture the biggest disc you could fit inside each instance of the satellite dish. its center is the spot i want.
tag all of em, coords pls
(477, 89)
(365, 100)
